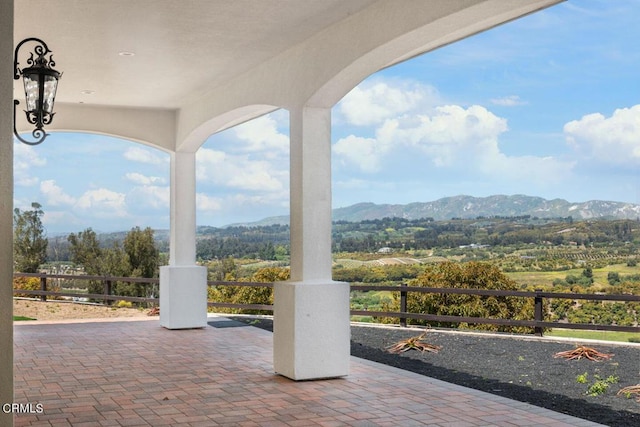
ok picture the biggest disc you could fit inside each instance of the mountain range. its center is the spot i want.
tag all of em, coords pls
(473, 207)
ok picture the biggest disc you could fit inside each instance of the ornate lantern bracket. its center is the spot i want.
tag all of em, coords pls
(40, 85)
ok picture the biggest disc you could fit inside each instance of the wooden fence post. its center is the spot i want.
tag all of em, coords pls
(43, 287)
(107, 291)
(538, 314)
(403, 305)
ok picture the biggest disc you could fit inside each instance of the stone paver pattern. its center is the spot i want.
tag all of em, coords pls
(136, 373)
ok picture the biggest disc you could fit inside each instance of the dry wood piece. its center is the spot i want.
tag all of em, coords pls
(155, 311)
(413, 343)
(628, 391)
(586, 352)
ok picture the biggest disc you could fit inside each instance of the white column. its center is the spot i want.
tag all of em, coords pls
(6, 209)
(311, 311)
(183, 284)
(183, 209)
(310, 195)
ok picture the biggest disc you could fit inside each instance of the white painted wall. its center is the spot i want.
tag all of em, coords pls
(6, 209)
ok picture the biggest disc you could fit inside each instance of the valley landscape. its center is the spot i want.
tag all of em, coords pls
(587, 248)
(533, 243)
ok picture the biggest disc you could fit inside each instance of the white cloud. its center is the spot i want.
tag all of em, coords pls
(613, 140)
(145, 155)
(452, 138)
(239, 171)
(247, 173)
(55, 195)
(103, 203)
(139, 179)
(148, 197)
(508, 101)
(366, 153)
(207, 203)
(26, 161)
(262, 135)
(452, 134)
(445, 138)
(373, 103)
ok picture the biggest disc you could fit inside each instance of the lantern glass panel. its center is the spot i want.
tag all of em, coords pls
(50, 86)
(31, 90)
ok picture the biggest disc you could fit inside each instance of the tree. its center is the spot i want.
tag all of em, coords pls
(267, 252)
(225, 269)
(138, 256)
(613, 277)
(469, 275)
(29, 239)
(85, 251)
(143, 258)
(143, 254)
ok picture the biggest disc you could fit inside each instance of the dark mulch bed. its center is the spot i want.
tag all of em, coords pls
(518, 367)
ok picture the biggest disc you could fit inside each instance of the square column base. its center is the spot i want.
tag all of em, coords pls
(311, 330)
(183, 297)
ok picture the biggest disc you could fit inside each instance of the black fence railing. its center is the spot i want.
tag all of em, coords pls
(106, 296)
(264, 307)
(537, 323)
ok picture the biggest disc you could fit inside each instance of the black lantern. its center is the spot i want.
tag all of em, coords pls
(40, 85)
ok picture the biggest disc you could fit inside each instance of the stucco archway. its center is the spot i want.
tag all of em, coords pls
(194, 63)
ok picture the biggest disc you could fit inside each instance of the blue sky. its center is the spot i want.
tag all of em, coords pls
(548, 105)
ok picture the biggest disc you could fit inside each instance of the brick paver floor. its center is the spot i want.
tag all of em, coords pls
(136, 373)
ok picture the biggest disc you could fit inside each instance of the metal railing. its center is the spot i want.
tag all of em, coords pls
(537, 323)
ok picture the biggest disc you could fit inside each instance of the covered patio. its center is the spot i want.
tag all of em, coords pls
(171, 73)
(135, 373)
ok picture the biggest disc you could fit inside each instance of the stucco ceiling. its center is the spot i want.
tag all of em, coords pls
(197, 60)
(179, 46)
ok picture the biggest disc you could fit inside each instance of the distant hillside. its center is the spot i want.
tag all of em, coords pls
(473, 207)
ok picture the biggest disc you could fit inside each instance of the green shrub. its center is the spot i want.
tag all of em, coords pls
(470, 275)
(31, 284)
(124, 304)
(26, 283)
(248, 294)
(601, 385)
(582, 378)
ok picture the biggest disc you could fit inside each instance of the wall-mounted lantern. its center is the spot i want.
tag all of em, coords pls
(40, 85)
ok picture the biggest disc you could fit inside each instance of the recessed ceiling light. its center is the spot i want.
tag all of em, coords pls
(125, 53)
(87, 92)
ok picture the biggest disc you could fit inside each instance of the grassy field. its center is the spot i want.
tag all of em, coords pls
(540, 279)
(544, 279)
